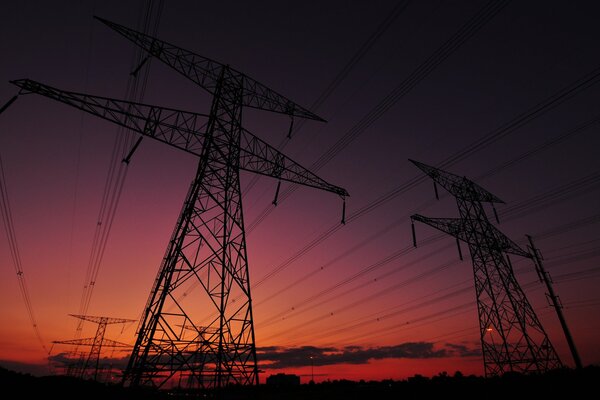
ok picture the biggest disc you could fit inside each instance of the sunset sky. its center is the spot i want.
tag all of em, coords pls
(358, 298)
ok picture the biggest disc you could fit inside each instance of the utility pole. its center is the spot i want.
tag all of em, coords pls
(547, 280)
(198, 319)
(92, 361)
(512, 337)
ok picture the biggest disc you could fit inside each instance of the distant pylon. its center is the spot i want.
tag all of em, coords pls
(88, 366)
(512, 337)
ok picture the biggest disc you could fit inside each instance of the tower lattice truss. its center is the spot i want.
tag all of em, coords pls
(512, 337)
(197, 328)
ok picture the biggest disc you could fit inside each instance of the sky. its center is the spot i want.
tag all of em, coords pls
(359, 300)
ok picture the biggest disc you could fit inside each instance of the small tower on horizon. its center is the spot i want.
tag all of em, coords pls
(87, 365)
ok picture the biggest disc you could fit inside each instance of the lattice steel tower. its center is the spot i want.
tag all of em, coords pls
(204, 337)
(512, 337)
(89, 366)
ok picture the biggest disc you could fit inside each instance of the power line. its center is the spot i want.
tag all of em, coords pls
(553, 196)
(9, 226)
(556, 195)
(407, 307)
(543, 146)
(511, 215)
(148, 19)
(348, 307)
(447, 313)
(426, 300)
(467, 31)
(398, 309)
(514, 124)
(525, 155)
(329, 290)
(346, 253)
(390, 18)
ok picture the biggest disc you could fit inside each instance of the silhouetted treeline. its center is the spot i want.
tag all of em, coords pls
(564, 383)
(25, 386)
(561, 384)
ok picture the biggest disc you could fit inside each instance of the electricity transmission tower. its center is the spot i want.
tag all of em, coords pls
(512, 337)
(197, 324)
(89, 366)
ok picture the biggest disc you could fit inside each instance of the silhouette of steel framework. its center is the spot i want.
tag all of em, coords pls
(204, 336)
(512, 337)
(88, 366)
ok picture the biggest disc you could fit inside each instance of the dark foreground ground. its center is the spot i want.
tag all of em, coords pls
(561, 384)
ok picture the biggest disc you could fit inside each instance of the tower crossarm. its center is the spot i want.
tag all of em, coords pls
(180, 129)
(185, 131)
(102, 320)
(91, 342)
(451, 226)
(484, 233)
(458, 186)
(206, 72)
(261, 158)
(505, 244)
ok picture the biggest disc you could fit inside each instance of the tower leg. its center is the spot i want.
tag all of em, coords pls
(512, 337)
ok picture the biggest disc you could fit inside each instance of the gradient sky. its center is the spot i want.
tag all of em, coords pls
(359, 317)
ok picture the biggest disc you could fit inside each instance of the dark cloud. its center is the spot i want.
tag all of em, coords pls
(66, 359)
(61, 358)
(282, 357)
(461, 350)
